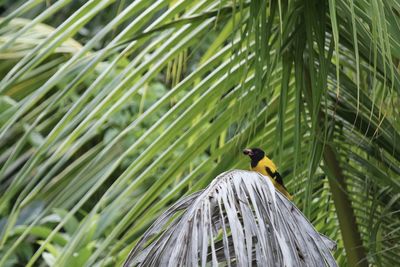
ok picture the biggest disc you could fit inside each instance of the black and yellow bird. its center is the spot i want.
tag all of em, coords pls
(262, 164)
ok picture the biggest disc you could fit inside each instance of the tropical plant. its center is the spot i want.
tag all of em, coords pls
(112, 110)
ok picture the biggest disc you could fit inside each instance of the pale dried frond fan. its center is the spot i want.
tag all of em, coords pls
(238, 220)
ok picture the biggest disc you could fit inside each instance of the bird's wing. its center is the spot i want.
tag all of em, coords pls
(276, 176)
(279, 180)
(270, 173)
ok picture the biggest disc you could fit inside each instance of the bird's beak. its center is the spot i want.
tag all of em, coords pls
(248, 152)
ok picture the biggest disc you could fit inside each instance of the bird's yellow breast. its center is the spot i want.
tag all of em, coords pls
(263, 164)
(261, 168)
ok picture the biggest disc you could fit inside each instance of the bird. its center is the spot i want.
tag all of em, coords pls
(262, 164)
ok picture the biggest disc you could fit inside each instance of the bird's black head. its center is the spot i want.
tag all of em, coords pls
(255, 154)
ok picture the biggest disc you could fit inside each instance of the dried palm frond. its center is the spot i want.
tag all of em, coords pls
(238, 220)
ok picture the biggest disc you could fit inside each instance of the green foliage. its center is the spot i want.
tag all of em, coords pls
(112, 110)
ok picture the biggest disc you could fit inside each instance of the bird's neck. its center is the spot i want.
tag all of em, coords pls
(254, 162)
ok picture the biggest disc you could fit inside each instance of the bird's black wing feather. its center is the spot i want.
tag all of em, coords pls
(276, 176)
(270, 172)
(279, 179)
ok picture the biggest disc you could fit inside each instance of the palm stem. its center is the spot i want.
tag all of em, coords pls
(347, 221)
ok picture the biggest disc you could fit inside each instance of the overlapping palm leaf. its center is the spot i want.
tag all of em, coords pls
(95, 144)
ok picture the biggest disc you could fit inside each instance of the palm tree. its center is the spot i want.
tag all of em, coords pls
(111, 111)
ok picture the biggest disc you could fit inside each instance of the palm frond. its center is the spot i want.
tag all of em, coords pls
(238, 219)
